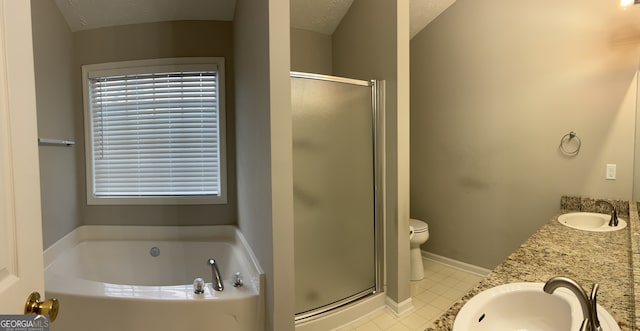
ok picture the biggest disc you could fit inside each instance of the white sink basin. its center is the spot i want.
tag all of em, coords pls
(590, 222)
(525, 306)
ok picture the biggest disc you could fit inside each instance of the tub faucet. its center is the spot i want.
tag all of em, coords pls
(237, 280)
(216, 283)
(614, 214)
(587, 303)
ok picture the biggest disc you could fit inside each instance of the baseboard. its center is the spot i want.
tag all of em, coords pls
(399, 309)
(456, 264)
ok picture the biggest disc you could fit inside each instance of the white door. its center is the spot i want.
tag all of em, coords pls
(21, 264)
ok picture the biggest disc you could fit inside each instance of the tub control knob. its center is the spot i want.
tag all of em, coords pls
(237, 280)
(198, 286)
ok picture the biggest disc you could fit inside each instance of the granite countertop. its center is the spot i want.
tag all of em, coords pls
(634, 231)
(587, 257)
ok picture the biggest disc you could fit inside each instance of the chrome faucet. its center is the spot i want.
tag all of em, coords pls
(587, 303)
(216, 283)
(614, 214)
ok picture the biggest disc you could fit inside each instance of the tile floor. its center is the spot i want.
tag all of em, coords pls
(442, 286)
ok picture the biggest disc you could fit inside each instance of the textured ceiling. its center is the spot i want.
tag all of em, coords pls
(316, 15)
(324, 16)
(91, 14)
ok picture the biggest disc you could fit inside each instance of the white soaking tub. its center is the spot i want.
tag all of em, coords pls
(140, 278)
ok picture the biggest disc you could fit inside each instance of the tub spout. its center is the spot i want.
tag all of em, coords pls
(217, 279)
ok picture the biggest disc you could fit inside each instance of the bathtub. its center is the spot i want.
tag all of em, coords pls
(136, 278)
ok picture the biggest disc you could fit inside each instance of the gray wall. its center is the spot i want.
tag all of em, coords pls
(311, 52)
(266, 212)
(265, 175)
(57, 119)
(160, 40)
(372, 42)
(494, 86)
(59, 54)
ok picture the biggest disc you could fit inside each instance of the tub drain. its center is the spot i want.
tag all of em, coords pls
(155, 251)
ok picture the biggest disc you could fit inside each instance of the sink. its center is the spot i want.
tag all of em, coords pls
(590, 222)
(525, 306)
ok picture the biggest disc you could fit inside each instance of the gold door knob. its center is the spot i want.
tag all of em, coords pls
(46, 307)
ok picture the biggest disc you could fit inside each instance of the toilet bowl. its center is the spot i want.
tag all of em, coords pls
(418, 235)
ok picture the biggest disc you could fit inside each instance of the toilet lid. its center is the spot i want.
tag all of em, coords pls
(418, 226)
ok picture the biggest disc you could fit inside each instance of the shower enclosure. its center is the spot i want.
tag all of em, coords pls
(336, 207)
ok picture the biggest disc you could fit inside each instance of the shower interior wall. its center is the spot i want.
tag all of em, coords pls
(311, 52)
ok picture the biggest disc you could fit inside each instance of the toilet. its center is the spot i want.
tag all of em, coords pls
(418, 235)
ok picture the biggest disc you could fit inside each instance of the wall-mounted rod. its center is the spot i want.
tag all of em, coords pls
(55, 142)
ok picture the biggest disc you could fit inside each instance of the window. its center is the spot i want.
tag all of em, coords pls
(154, 131)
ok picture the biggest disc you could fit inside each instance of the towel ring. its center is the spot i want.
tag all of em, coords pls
(566, 139)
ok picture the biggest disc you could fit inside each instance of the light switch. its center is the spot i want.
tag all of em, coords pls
(611, 171)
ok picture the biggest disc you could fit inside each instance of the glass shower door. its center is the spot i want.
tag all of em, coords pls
(334, 196)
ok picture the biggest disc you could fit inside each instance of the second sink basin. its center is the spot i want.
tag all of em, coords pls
(525, 306)
(590, 222)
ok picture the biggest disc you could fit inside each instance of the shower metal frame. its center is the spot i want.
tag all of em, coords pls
(378, 137)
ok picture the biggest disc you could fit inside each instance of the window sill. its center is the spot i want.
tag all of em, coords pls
(161, 200)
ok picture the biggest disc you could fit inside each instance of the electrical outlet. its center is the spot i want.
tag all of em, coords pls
(611, 171)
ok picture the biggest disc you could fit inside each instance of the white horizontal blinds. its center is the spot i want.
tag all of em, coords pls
(156, 134)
